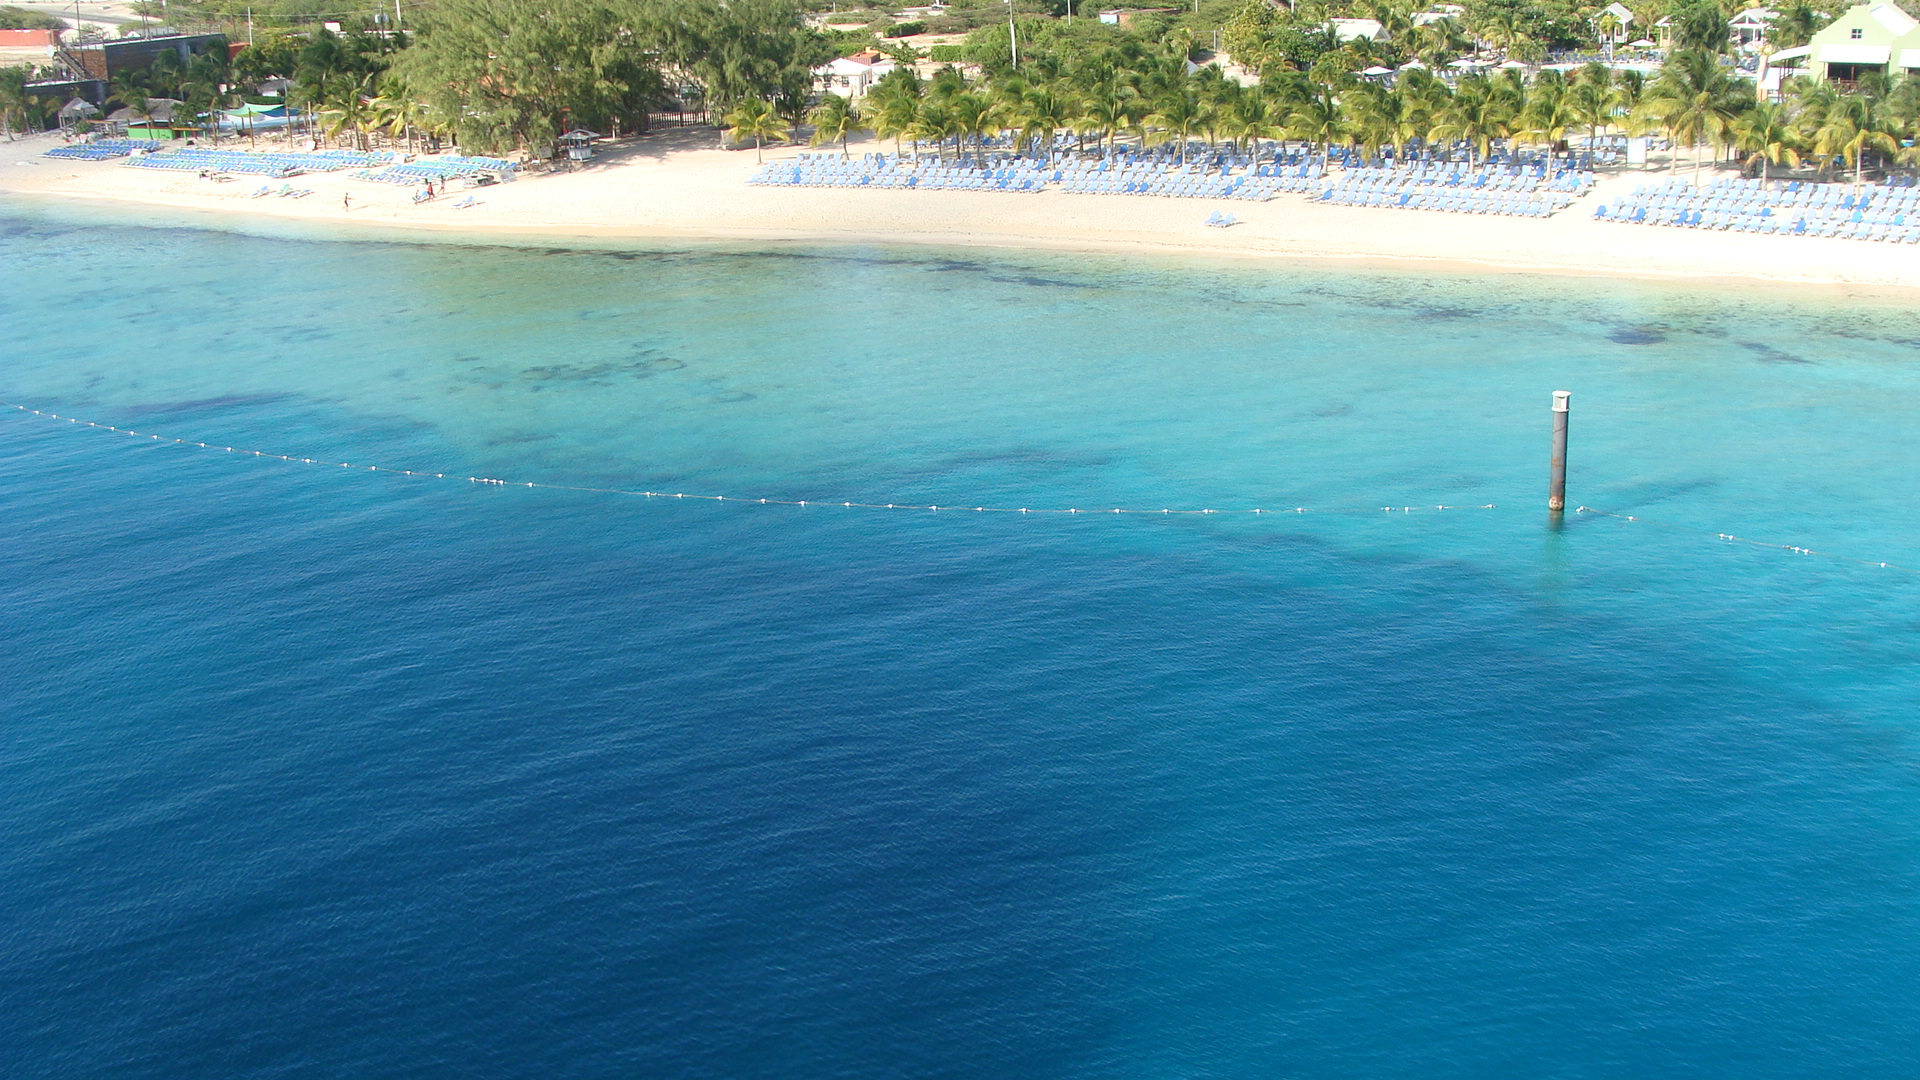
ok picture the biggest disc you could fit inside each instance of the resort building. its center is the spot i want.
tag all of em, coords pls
(109, 58)
(852, 76)
(1871, 38)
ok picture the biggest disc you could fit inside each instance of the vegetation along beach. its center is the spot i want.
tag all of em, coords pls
(1003, 538)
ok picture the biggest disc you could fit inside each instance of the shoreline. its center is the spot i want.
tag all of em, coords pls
(673, 186)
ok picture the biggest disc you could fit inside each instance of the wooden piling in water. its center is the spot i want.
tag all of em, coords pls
(1557, 479)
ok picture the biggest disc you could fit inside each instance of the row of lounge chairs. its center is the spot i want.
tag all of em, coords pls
(1125, 175)
(101, 149)
(420, 172)
(1879, 212)
(886, 171)
(287, 191)
(1454, 202)
(1523, 191)
(277, 165)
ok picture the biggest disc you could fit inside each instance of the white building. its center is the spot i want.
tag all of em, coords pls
(1353, 29)
(1614, 24)
(1749, 27)
(852, 76)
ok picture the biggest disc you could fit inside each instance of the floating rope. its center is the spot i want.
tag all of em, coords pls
(494, 481)
(1732, 539)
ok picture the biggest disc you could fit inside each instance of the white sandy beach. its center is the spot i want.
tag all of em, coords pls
(675, 184)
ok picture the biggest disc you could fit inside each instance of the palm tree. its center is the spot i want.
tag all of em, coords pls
(930, 125)
(1549, 113)
(753, 118)
(1044, 111)
(397, 112)
(1318, 119)
(1847, 130)
(1440, 42)
(349, 107)
(1103, 114)
(1696, 101)
(1768, 136)
(130, 89)
(1591, 97)
(1175, 118)
(1474, 116)
(1252, 117)
(890, 111)
(834, 120)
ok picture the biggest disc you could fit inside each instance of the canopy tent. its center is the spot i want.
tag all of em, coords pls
(78, 109)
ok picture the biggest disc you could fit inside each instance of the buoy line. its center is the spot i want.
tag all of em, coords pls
(1749, 541)
(494, 481)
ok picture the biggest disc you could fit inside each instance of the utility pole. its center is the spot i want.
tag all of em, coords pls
(1013, 37)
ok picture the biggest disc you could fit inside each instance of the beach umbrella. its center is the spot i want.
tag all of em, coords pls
(1643, 43)
(1376, 70)
(1413, 65)
(1513, 64)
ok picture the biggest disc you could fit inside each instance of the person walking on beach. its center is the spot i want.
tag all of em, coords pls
(346, 202)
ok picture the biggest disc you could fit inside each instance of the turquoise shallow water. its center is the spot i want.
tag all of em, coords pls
(310, 770)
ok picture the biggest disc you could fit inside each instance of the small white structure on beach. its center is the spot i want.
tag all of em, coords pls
(852, 76)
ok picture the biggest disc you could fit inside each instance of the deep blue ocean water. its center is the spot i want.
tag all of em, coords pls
(308, 771)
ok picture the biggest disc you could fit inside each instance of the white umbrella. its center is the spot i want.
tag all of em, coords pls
(1643, 43)
(1377, 70)
(1513, 64)
(1413, 65)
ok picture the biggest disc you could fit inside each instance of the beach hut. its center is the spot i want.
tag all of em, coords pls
(1614, 24)
(1749, 28)
(578, 144)
(77, 112)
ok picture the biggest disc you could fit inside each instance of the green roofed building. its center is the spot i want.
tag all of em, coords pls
(1871, 38)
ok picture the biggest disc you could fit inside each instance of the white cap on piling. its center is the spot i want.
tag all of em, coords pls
(1560, 400)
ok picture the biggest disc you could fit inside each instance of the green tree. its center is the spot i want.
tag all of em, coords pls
(1174, 119)
(1847, 130)
(1695, 101)
(14, 101)
(1317, 118)
(1767, 135)
(1474, 115)
(753, 118)
(503, 74)
(834, 120)
(1703, 27)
